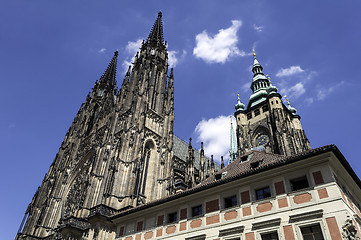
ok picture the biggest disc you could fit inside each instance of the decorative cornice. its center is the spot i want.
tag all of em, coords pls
(306, 215)
(230, 231)
(265, 224)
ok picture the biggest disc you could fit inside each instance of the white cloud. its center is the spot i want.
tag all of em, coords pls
(131, 48)
(246, 87)
(102, 50)
(294, 91)
(173, 59)
(309, 100)
(257, 28)
(324, 92)
(220, 47)
(285, 72)
(215, 134)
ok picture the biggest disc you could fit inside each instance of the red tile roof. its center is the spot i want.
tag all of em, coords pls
(243, 167)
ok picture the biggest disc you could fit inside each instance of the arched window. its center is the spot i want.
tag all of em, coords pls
(148, 150)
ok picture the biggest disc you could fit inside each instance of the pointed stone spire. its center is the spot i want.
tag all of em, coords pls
(171, 73)
(256, 68)
(202, 164)
(156, 34)
(109, 75)
(212, 165)
(208, 169)
(233, 150)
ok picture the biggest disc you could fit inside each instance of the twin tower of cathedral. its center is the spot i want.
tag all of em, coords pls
(121, 152)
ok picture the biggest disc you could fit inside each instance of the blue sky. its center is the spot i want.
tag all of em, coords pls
(53, 51)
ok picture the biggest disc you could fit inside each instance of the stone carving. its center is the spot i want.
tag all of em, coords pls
(349, 230)
(77, 193)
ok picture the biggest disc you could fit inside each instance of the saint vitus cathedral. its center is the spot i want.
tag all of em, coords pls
(122, 173)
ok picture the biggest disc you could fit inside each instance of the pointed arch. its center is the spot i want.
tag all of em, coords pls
(77, 186)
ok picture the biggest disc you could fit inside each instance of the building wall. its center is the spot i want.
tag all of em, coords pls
(285, 211)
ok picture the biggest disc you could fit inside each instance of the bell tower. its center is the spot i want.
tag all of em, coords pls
(267, 124)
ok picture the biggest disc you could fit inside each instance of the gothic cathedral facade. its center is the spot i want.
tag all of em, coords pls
(118, 149)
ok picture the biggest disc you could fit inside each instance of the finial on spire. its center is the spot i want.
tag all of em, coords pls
(110, 72)
(128, 72)
(239, 106)
(171, 73)
(253, 53)
(156, 34)
(290, 108)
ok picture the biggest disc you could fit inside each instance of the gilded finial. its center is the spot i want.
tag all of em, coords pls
(253, 53)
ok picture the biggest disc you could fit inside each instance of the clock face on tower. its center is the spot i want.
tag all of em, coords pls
(262, 140)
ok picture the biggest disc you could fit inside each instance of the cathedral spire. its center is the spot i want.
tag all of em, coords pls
(156, 34)
(256, 68)
(261, 85)
(109, 75)
(233, 151)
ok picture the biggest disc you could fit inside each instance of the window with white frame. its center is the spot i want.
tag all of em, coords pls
(270, 236)
(172, 217)
(230, 201)
(197, 211)
(262, 193)
(299, 183)
(312, 232)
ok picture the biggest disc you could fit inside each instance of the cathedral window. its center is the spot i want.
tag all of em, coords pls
(249, 116)
(312, 232)
(299, 183)
(265, 108)
(263, 193)
(172, 217)
(256, 112)
(230, 201)
(197, 211)
(269, 236)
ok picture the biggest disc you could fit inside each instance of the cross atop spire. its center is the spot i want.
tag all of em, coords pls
(256, 68)
(108, 77)
(156, 34)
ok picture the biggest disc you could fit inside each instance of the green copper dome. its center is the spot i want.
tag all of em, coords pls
(239, 106)
(261, 85)
(291, 109)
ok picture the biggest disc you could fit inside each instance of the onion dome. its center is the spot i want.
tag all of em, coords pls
(239, 106)
(261, 85)
(291, 109)
(271, 88)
